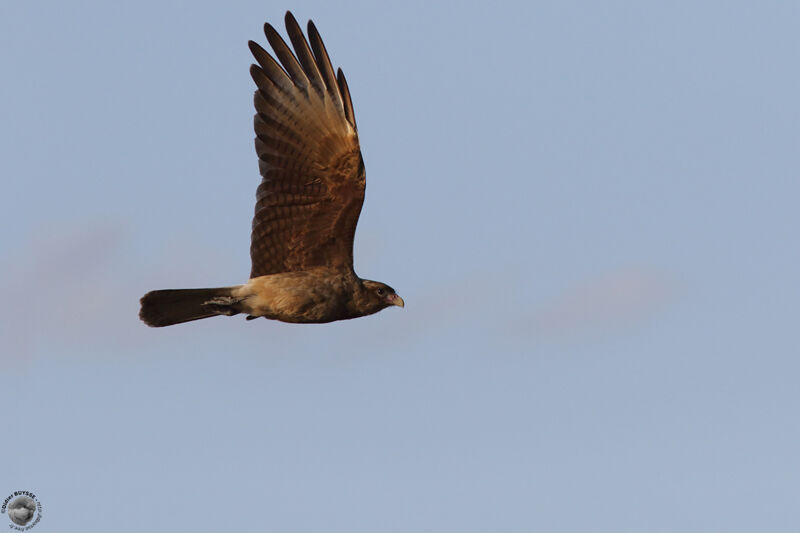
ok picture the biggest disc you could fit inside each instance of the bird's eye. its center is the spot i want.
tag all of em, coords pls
(380, 292)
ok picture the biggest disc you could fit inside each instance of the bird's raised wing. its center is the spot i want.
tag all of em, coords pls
(313, 182)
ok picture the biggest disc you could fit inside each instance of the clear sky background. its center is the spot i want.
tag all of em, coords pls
(590, 209)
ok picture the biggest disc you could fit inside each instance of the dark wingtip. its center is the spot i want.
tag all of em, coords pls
(347, 99)
(312, 28)
(269, 28)
(256, 73)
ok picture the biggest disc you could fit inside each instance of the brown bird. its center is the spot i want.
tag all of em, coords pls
(307, 204)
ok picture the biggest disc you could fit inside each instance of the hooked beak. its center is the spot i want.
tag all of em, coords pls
(394, 299)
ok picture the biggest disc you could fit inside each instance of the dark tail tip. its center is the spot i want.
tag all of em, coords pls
(155, 311)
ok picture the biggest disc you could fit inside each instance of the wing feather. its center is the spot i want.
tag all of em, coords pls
(313, 179)
(286, 57)
(346, 100)
(271, 70)
(304, 54)
(324, 63)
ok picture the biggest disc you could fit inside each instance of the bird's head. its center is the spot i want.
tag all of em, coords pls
(379, 295)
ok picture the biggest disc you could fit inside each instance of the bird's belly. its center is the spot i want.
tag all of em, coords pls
(293, 298)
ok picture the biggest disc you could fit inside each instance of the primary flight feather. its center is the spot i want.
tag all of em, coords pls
(307, 204)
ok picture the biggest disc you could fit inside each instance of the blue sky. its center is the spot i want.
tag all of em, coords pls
(590, 209)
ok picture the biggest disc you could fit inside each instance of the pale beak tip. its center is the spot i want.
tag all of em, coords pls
(398, 301)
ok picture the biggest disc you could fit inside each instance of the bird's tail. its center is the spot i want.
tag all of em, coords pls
(175, 306)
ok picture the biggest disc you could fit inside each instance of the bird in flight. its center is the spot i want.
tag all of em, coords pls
(307, 204)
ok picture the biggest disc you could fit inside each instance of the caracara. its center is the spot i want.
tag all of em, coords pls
(307, 204)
